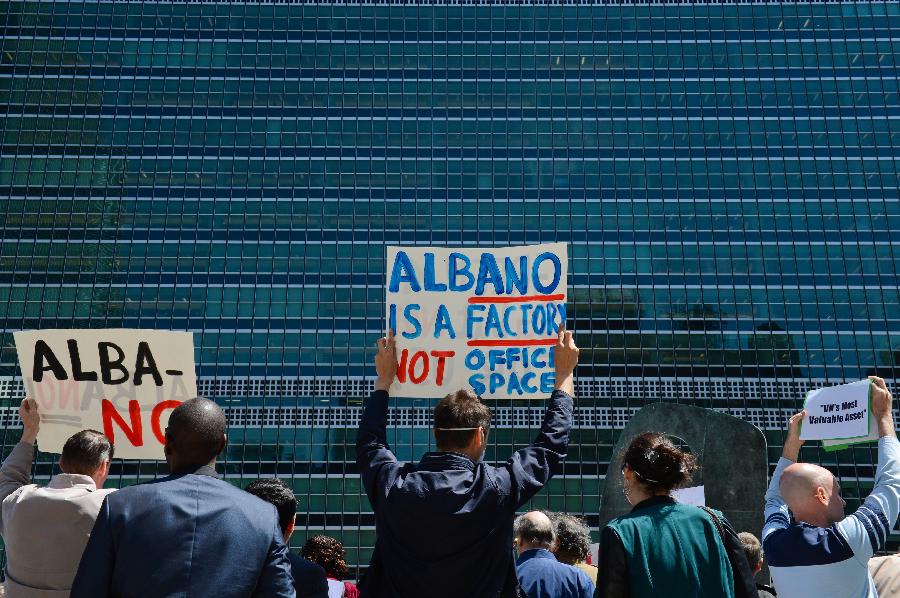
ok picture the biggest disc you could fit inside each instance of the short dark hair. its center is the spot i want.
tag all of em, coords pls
(573, 538)
(658, 463)
(85, 451)
(460, 409)
(196, 430)
(279, 494)
(328, 553)
(536, 533)
(752, 548)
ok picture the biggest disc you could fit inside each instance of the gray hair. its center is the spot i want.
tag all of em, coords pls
(536, 531)
(573, 538)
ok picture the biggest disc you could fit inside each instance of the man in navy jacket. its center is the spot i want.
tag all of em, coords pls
(190, 534)
(444, 526)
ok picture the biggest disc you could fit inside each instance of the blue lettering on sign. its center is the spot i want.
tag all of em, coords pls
(473, 318)
(514, 385)
(493, 322)
(496, 381)
(456, 271)
(519, 279)
(430, 283)
(525, 308)
(535, 270)
(506, 325)
(392, 317)
(488, 272)
(548, 381)
(412, 319)
(475, 359)
(476, 381)
(403, 271)
(526, 382)
(442, 322)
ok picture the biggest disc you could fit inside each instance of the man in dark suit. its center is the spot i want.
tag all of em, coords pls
(310, 580)
(190, 534)
(444, 526)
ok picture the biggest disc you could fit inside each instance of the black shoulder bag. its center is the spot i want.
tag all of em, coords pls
(744, 582)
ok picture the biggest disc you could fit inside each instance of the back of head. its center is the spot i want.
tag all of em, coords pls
(534, 530)
(457, 418)
(328, 553)
(752, 548)
(84, 452)
(573, 538)
(278, 493)
(799, 486)
(196, 433)
(658, 463)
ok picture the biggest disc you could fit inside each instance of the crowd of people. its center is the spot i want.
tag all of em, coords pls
(446, 526)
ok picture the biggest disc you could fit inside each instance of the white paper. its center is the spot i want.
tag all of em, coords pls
(695, 495)
(485, 319)
(130, 380)
(837, 412)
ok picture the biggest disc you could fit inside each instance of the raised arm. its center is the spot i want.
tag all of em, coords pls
(372, 451)
(529, 469)
(16, 469)
(868, 528)
(777, 514)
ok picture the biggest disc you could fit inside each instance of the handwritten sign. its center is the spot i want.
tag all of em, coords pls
(837, 412)
(121, 382)
(485, 319)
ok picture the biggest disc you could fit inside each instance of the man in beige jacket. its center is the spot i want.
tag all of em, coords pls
(45, 529)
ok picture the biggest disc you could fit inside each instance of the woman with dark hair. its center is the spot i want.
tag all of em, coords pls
(329, 554)
(663, 548)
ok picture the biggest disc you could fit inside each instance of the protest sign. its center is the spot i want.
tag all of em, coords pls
(484, 319)
(121, 382)
(837, 412)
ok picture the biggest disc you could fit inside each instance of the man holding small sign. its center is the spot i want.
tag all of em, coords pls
(445, 525)
(822, 552)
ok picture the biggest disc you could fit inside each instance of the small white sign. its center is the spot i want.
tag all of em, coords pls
(695, 495)
(837, 412)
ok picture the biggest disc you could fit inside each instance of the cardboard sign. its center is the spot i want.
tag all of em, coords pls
(837, 412)
(123, 383)
(484, 319)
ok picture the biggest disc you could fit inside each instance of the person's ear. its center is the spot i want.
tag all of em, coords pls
(224, 443)
(289, 531)
(822, 495)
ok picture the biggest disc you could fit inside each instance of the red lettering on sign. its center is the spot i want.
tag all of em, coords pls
(135, 433)
(155, 416)
(442, 358)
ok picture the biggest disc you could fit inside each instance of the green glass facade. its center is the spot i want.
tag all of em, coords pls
(726, 176)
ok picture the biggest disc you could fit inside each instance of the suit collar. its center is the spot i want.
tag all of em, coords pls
(202, 470)
(441, 461)
(72, 480)
(535, 553)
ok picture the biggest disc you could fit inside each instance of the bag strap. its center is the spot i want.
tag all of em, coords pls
(735, 567)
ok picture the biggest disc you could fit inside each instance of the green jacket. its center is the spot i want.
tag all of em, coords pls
(663, 548)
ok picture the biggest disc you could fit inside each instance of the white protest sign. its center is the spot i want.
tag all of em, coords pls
(123, 383)
(485, 319)
(837, 412)
(694, 495)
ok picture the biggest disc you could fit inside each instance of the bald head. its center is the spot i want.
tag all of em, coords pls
(812, 494)
(533, 530)
(195, 434)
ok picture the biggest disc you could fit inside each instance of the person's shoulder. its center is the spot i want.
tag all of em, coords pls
(800, 545)
(20, 493)
(304, 569)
